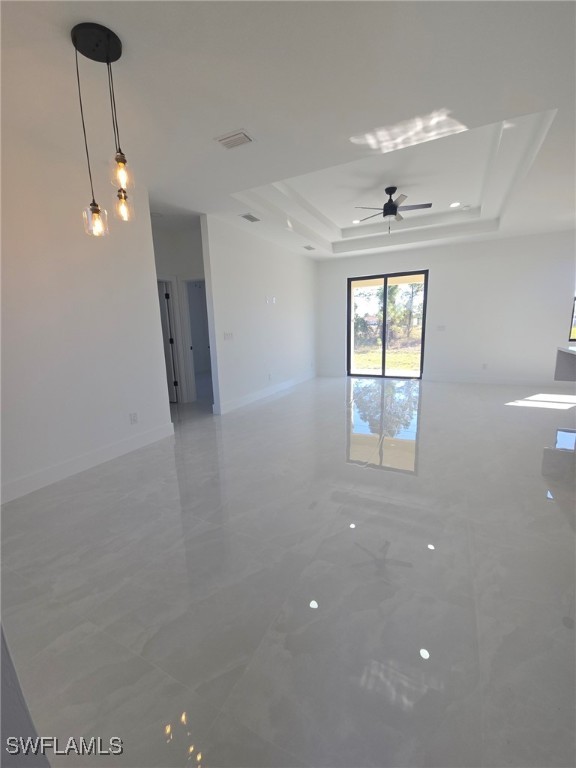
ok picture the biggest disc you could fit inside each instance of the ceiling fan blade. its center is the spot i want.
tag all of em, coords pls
(371, 217)
(414, 207)
(400, 199)
(365, 208)
(398, 217)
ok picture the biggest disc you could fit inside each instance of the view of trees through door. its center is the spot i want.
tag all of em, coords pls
(386, 325)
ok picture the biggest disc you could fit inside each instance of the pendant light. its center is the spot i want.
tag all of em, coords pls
(100, 44)
(121, 177)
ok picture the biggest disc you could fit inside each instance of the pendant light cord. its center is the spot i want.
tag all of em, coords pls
(84, 129)
(113, 107)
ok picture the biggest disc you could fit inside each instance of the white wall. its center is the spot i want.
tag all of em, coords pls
(81, 336)
(504, 303)
(272, 344)
(178, 249)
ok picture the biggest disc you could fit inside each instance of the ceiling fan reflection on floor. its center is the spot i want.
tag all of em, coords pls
(392, 207)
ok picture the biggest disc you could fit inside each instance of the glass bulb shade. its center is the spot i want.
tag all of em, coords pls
(95, 221)
(120, 175)
(123, 210)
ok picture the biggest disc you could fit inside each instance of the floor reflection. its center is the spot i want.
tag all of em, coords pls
(383, 423)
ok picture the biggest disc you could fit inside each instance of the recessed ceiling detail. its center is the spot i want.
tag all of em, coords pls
(249, 217)
(295, 75)
(482, 166)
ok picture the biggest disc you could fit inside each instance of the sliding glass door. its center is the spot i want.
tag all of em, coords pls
(386, 322)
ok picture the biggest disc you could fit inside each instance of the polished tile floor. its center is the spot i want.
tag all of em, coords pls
(354, 573)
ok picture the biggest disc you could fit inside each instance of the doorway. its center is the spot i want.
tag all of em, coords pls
(165, 294)
(386, 325)
(200, 341)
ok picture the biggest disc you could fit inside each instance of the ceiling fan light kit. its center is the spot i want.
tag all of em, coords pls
(102, 45)
(392, 208)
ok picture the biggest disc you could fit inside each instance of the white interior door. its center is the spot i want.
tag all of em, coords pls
(200, 340)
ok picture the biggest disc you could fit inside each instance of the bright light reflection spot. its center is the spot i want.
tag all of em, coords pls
(545, 398)
(549, 496)
(183, 718)
(537, 404)
(352, 525)
(431, 546)
(356, 221)
(424, 653)
(191, 749)
(454, 205)
(313, 604)
(410, 132)
(565, 440)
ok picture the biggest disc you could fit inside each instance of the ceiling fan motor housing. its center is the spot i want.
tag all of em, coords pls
(390, 208)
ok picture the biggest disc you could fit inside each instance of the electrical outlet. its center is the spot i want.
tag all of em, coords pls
(133, 417)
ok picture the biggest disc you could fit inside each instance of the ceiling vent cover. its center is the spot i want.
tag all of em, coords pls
(232, 140)
(248, 217)
(308, 247)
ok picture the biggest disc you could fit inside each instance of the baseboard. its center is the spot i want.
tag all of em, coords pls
(260, 394)
(13, 489)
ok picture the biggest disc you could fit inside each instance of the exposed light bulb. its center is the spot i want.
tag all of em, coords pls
(95, 220)
(123, 208)
(121, 176)
(97, 226)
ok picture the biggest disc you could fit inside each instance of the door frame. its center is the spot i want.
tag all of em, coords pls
(384, 276)
(187, 393)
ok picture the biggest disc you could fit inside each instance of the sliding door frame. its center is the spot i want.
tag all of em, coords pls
(384, 277)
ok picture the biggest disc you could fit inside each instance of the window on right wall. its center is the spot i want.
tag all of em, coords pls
(572, 336)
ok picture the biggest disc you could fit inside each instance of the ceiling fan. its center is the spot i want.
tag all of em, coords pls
(391, 207)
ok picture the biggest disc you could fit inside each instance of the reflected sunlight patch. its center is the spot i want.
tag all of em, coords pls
(409, 132)
(533, 404)
(554, 398)
(544, 400)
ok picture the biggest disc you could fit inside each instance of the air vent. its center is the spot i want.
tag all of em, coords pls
(248, 217)
(232, 140)
(308, 247)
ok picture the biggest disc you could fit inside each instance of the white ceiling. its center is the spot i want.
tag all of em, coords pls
(303, 78)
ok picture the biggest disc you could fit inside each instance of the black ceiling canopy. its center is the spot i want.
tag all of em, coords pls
(97, 42)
